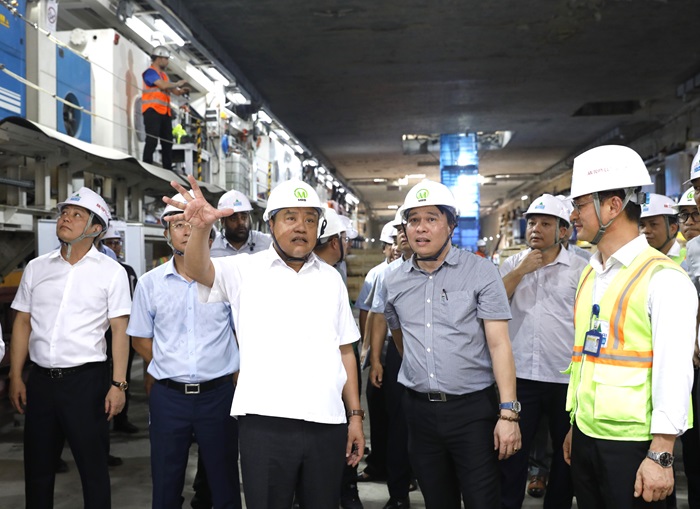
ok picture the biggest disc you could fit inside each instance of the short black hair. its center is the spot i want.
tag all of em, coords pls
(633, 211)
(449, 213)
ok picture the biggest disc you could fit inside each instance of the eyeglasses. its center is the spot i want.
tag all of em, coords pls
(684, 216)
(180, 226)
(112, 242)
(579, 206)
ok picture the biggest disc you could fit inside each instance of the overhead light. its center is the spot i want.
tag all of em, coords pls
(311, 162)
(264, 117)
(199, 77)
(393, 207)
(336, 184)
(378, 181)
(141, 29)
(524, 197)
(351, 198)
(214, 74)
(298, 149)
(371, 240)
(402, 182)
(273, 135)
(163, 27)
(490, 238)
(237, 97)
(329, 184)
(321, 170)
(283, 134)
(498, 235)
(480, 179)
(416, 176)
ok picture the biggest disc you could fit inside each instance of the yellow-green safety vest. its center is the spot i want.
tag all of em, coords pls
(609, 396)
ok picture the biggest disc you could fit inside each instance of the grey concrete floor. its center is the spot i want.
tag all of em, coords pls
(131, 482)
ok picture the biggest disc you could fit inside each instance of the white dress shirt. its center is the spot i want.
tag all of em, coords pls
(542, 328)
(70, 307)
(290, 326)
(672, 307)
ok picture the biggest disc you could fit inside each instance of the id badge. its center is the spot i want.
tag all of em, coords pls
(592, 343)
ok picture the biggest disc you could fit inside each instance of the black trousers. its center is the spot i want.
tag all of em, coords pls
(398, 465)
(691, 451)
(604, 472)
(539, 400)
(158, 126)
(70, 408)
(280, 456)
(378, 430)
(451, 449)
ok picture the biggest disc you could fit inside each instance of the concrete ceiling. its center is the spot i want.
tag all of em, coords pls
(350, 78)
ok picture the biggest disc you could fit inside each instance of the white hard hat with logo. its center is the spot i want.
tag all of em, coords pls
(160, 51)
(658, 205)
(607, 168)
(428, 193)
(694, 168)
(549, 205)
(171, 209)
(334, 224)
(350, 231)
(111, 232)
(291, 194)
(388, 233)
(93, 202)
(481, 243)
(236, 201)
(687, 200)
(398, 218)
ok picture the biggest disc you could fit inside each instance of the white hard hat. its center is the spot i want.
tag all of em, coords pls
(334, 224)
(687, 200)
(398, 218)
(388, 233)
(170, 209)
(90, 200)
(568, 204)
(350, 231)
(111, 232)
(549, 205)
(236, 201)
(694, 168)
(427, 193)
(607, 168)
(160, 51)
(290, 194)
(481, 243)
(658, 205)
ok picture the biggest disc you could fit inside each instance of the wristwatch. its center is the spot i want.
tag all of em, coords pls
(513, 406)
(121, 385)
(665, 459)
(361, 413)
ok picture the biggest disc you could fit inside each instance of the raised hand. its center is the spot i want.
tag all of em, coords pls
(197, 210)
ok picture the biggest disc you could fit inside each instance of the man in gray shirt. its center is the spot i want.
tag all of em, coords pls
(236, 235)
(449, 313)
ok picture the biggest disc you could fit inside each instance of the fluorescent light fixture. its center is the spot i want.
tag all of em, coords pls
(480, 179)
(283, 134)
(524, 197)
(141, 29)
(162, 26)
(313, 162)
(402, 182)
(336, 184)
(498, 235)
(329, 184)
(371, 240)
(237, 97)
(273, 135)
(264, 117)
(214, 74)
(490, 238)
(393, 207)
(484, 239)
(321, 170)
(199, 77)
(352, 199)
(416, 176)
(297, 148)
(379, 180)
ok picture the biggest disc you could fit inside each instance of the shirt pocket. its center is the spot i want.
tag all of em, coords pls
(621, 393)
(459, 306)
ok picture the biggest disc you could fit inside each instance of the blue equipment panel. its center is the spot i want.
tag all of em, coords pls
(74, 84)
(13, 55)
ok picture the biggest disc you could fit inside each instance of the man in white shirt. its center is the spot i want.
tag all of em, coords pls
(66, 301)
(541, 285)
(236, 235)
(634, 319)
(295, 332)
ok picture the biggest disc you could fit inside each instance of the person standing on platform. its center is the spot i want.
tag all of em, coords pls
(448, 312)
(65, 302)
(191, 353)
(155, 107)
(295, 330)
(541, 285)
(634, 319)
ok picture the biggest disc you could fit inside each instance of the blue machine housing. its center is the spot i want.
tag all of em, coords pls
(74, 84)
(13, 55)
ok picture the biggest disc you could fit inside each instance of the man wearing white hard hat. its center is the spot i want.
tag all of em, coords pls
(481, 248)
(658, 222)
(236, 235)
(65, 302)
(541, 284)
(191, 353)
(295, 331)
(631, 371)
(449, 313)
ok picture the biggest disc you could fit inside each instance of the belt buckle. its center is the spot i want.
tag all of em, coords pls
(55, 373)
(191, 388)
(437, 396)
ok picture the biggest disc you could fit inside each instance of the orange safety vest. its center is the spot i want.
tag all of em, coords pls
(153, 97)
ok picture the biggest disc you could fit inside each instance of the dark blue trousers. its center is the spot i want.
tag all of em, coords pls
(176, 420)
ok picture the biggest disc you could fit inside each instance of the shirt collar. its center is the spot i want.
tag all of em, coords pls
(452, 258)
(625, 255)
(92, 253)
(313, 262)
(675, 249)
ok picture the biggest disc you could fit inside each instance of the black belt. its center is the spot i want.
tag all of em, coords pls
(62, 372)
(196, 388)
(436, 396)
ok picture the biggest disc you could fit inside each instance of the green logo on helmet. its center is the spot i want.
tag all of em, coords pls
(301, 194)
(691, 194)
(422, 194)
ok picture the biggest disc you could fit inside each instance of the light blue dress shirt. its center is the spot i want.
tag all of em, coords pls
(193, 342)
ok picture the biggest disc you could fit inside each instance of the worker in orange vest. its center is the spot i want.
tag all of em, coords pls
(155, 106)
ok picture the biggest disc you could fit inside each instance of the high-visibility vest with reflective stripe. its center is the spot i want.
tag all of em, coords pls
(154, 97)
(609, 396)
